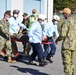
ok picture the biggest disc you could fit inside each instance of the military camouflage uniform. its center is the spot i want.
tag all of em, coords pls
(26, 22)
(5, 42)
(68, 34)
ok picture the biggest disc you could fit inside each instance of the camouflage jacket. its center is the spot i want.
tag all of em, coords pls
(68, 34)
(4, 29)
(26, 22)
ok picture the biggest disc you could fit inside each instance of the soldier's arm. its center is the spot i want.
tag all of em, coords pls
(4, 30)
(63, 32)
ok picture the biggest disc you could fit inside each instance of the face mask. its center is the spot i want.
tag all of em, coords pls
(15, 15)
(55, 23)
(7, 18)
(42, 23)
(63, 16)
(34, 14)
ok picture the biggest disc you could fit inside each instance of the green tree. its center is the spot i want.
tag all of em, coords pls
(60, 4)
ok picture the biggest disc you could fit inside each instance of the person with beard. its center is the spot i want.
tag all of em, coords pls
(68, 35)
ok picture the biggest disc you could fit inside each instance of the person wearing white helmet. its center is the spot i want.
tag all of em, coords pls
(49, 31)
(56, 17)
(35, 39)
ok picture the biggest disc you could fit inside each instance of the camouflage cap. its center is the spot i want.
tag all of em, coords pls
(25, 14)
(16, 11)
(34, 10)
(66, 10)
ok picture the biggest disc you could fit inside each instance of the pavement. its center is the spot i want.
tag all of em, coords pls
(22, 68)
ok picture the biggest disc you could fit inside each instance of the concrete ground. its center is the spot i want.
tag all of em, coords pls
(22, 67)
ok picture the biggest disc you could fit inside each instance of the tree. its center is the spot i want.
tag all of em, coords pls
(60, 4)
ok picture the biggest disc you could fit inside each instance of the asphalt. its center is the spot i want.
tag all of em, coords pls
(23, 68)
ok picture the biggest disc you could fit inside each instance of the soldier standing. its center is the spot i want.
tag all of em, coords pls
(5, 43)
(68, 34)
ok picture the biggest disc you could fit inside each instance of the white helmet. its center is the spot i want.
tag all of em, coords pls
(56, 17)
(41, 16)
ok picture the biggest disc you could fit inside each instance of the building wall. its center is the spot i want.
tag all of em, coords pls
(3, 8)
(8, 4)
(17, 4)
(42, 6)
(28, 5)
(49, 9)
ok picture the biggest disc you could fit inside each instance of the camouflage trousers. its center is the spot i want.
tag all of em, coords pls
(68, 61)
(28, 47)
(5, 45)
(21, 37)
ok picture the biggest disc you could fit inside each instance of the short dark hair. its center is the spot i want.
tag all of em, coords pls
(16, 11)
(8, 12)
(25, 14)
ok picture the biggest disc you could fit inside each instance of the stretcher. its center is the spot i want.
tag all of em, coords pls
(43, 42)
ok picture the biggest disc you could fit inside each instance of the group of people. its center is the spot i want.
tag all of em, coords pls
(35, 30)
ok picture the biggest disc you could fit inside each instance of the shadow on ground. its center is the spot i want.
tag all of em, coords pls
(29, 70)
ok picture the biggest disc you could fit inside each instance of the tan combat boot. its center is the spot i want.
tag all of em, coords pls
(10, 60)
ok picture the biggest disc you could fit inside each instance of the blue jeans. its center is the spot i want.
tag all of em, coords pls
(49, 48)
(37, 50)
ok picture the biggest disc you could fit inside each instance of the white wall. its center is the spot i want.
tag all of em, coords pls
(28, 5)
(17, 4)
(3, 8)
(8, 4)
(50, 10)
(43, 7)
(47, 9)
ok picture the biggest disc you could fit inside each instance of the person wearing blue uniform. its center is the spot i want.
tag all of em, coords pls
(35, 39)
(49, 31)
(15, 32)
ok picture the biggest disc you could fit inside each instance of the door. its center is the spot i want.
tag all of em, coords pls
(32, 4)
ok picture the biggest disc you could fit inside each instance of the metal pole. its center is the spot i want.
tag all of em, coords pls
(50, 9)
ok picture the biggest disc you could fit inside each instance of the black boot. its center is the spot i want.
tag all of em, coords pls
(72, 73)
(49, 58)
(31, 62)
(4, 57)
(42, 62)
